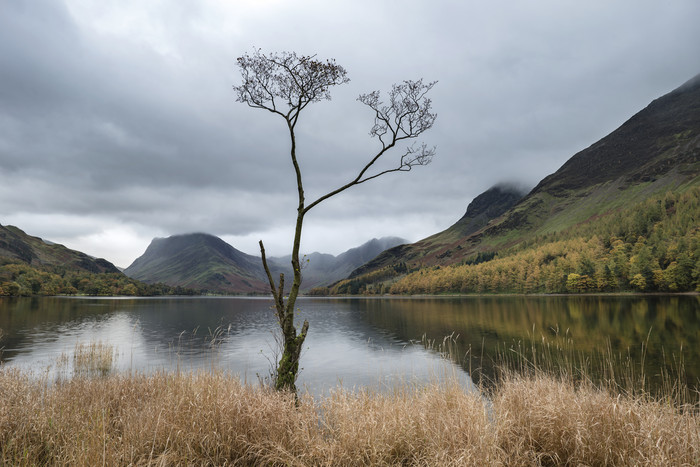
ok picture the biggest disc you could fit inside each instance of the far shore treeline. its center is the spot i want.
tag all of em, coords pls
(19, 279)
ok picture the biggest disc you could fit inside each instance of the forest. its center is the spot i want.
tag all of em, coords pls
(652, 246)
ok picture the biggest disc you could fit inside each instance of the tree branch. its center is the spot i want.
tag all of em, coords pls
(407, 116)
(279, 296)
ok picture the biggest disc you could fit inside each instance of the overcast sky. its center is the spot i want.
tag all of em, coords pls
(118, 121)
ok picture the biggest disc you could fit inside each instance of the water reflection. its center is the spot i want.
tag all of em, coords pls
(354, 341)
(667, 325)
(230, 333)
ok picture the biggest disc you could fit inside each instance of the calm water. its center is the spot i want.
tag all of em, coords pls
(351, 341)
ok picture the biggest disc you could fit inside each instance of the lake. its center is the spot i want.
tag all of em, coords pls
(352, 342)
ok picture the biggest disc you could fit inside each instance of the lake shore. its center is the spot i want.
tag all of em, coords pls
(212, 418)
(458, 295)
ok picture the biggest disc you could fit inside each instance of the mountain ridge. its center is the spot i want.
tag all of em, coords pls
(480, 211)
(206, 262)
(31, 266)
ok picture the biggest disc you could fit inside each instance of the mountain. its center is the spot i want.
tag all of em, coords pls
(323, 269)
(199, 261)
(656, 141)
(205, 262)
(487, 206)
(16, 245)
(656, 151)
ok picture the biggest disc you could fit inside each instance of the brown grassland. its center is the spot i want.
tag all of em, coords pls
(531, 414)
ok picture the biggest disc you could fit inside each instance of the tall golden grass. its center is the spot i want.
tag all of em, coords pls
(211, 418)
(531, 415)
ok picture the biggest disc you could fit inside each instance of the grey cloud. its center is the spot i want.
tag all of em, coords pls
(132, 121)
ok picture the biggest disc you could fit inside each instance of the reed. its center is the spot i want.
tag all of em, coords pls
(545, 421)
(541, 410)
(93, 359)
(606, 370)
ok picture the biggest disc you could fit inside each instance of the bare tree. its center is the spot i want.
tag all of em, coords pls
(285, 84)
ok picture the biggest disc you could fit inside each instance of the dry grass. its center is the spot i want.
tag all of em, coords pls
(93, 359)
(211, 418)
(543, 421)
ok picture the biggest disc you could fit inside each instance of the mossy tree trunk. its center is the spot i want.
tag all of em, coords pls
(292, 342)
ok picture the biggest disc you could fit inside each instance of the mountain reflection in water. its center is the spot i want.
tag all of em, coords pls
(352, 341)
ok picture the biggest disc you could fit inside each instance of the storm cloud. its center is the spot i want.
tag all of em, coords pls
(118, 121)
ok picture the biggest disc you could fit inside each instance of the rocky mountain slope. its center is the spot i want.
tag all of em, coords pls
(654, 152)
(324, 269)
(33, 266)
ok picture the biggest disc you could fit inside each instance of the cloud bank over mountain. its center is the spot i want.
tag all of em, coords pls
(118, 122)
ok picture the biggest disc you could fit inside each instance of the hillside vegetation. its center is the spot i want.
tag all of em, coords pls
(20, 279)
(651, 246)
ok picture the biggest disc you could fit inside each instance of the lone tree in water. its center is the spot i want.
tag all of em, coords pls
(284, 84)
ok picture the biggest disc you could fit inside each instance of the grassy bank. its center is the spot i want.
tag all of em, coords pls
(211, 418)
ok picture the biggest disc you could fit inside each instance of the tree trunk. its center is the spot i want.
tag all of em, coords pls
(288, 368)
(292, 343)
(285, 84)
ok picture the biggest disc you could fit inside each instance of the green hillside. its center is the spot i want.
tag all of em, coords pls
(484, 208)
(652, 246)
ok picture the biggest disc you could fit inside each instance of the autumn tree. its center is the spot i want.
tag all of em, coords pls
(285, 84)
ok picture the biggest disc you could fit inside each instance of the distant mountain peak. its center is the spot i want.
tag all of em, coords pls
(205, 262)
(199, 261)
(324, 269)
(485, 207)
